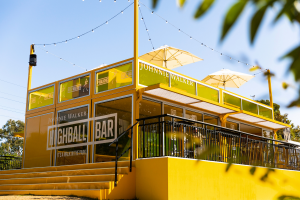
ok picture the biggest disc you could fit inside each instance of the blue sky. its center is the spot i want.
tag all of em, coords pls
(48, 21)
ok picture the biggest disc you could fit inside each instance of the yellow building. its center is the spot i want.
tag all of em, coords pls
(135, 130)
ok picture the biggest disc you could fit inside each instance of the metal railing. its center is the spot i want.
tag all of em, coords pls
(125, 151)
(168, 135)
(10, 162)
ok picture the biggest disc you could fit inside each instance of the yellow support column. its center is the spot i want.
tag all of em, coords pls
(270, 91)
(30, 70)
(136, 67)
(28, 88)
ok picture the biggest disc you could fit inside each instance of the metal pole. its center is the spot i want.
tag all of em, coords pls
(270, 91)
(116, 166)
(131, 149)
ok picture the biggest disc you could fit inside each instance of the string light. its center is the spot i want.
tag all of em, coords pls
(60, 58)
(146, 28)
(91, 30)
(202, 44)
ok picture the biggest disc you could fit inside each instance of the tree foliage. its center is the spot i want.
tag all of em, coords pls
(289, 9)
(10, 145)
(295, 130)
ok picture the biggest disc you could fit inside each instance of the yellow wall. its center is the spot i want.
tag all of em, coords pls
(176, 178)
(36, 154)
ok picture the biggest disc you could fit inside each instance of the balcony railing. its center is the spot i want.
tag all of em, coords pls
(10, 162)
(168, 135)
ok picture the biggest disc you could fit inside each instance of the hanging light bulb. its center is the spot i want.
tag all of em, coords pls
(166, 22)
(149, 39)
(152, 12)
(54, 44)
(44, 45)
(78, 37)
(221, 54)
(66, 41)
(93, 30)
(147, 30)
(100, 1)
(142, 18)
(191, 37)
(106, 22)
(178, 30)
(202, 44)
(46, 51)
(122, 11)
(60, 59)
(238, 61)
(115, 1)
(212, 49)
(128, 0)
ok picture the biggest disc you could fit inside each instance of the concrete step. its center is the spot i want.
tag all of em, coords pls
(61, 179)
(67, 167)
(58, 186)
(97, 171)
(91, 193)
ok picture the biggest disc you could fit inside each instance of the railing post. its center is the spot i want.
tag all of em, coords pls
(144, 140)
(247, 152)
(240, 148)
(116, 166)
(131, 149)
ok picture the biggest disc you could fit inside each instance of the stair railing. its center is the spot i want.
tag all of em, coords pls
(129, 148)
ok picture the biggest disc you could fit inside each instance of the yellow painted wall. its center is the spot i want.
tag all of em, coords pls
(176, 178)
(36, 154)
(152, 178)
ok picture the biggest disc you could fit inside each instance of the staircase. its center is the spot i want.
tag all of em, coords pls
(94, 180)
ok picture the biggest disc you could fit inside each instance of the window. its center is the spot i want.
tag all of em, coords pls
(211, 120)
(172, 111)
(194, 116)
(41, 98)
(114, 78)
(207, 93)
(74, 88)
(148, 109)
(112, 119)
(232, 125)
(149, 75)
(71, 134)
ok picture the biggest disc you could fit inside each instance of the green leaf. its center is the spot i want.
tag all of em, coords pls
(232, 15)
(256, 20)
(294, 55)
(287, 197)
(181, 2)
(154, 3)
(204, 6)
(252, 170)
(288, 5)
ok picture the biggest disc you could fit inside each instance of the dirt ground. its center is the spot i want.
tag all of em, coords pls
(29, 197)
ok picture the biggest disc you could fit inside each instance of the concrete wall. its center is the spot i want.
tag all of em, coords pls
(177, 178)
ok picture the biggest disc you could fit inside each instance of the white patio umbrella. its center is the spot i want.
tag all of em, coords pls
(227, 78)
(169, 57)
